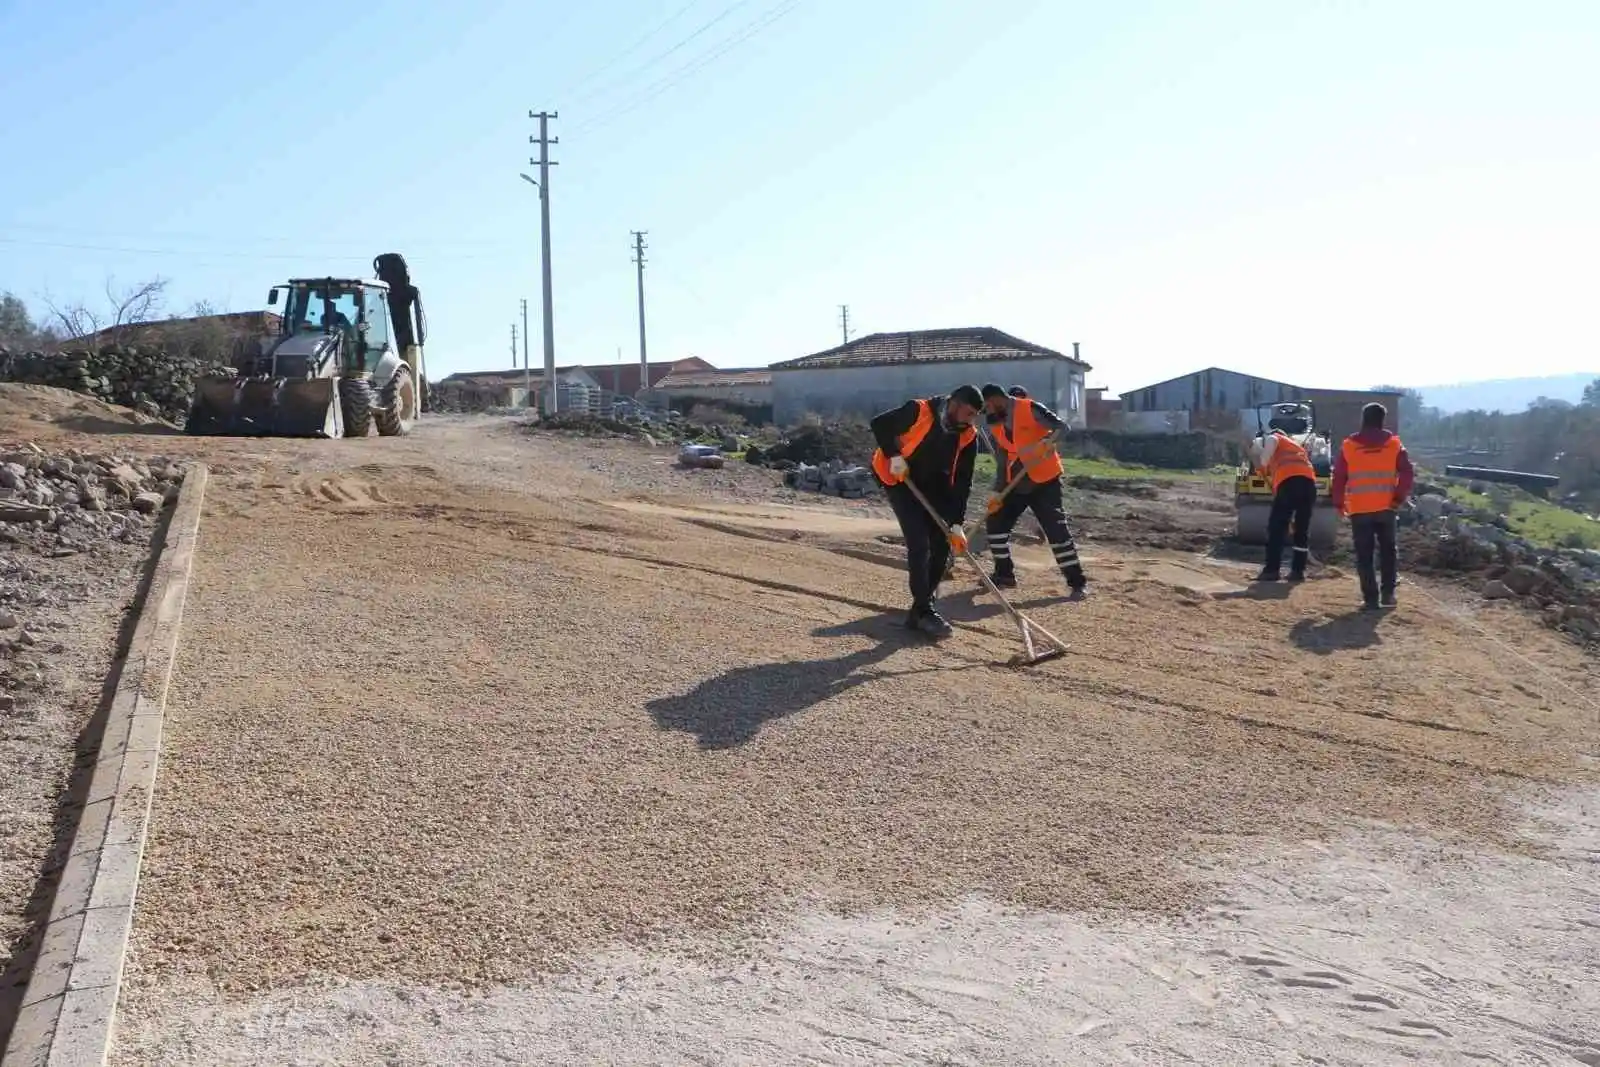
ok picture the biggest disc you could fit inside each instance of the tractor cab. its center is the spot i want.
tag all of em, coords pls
(356, 310)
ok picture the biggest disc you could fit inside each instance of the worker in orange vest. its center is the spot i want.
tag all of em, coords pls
(1021, 428)
(931, 444)
(1372, 478)
(1282, 460)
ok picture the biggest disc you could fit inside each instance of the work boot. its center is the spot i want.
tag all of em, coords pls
(1369, 605)
(1387, 599)
(1006, 579)
(1268, 575)
(1297, 575)
(928, 621)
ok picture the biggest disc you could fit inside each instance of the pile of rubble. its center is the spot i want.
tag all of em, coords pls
(151, 381)
(840, 442)
(64, 503)
(1562, 584)
(700, 457)
(833, 478)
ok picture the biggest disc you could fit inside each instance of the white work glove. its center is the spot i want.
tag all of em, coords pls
(958, 538)
(898, 466)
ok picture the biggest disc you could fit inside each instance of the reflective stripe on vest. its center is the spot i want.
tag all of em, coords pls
(1021, 430)
(912, 438)
(1372, 475)
(1288, 460)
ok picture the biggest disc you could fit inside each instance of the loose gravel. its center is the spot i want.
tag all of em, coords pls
(443, 715)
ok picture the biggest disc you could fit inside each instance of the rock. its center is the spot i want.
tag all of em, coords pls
(7, 702)
(8, 619)
(14, 511)
(1432, 506)
(1495, 589)
(27, 639)
(148, 503)
(1523, 579)
(125, 479)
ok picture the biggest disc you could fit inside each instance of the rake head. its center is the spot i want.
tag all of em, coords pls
(1022, 659)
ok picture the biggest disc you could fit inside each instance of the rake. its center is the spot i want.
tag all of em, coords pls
(1033, 652)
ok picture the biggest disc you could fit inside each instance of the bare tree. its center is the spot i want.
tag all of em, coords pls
(131, 306)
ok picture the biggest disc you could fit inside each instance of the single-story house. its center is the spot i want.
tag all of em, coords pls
(745, 385)
(871, 374)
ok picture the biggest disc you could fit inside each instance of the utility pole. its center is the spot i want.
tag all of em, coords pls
(544, 141)
(638, 259)
(844, 321)
(513, 344)
(527, 368)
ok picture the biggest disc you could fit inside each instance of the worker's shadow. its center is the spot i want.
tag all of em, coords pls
(1354, 629)
(1259, 591)
(729, 710)
(975, 604)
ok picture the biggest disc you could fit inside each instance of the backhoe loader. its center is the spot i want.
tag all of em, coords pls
(347, 359)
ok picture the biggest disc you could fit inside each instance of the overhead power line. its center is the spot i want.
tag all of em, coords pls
(660, 86)
(589, 77)
(487, 251)
(702, 28)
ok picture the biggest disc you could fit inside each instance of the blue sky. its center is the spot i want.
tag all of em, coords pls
(1334, 193)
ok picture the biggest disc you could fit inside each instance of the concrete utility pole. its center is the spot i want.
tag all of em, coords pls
(544, 141)
(527, 368)
(513, 344)
(638, 259)
(844, 321)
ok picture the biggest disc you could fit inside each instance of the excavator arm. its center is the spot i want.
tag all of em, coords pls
(406, 313)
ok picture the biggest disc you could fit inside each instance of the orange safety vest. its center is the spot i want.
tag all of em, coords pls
(1372, 475)
(913, 437)
(1025, 431)
(1289, 460)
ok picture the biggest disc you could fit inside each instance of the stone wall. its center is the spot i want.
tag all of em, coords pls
(1168, 451)
(148, 380)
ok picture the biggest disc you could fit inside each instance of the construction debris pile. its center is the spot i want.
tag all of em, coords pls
(151, 381)
(700, 457)
(61, 504)
(1562, 584)
(840, 442)
(833, 478)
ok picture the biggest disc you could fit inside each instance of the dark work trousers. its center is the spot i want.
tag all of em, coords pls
(927, 550)
(1045, 503)
(1374, 530)
(1293, 502)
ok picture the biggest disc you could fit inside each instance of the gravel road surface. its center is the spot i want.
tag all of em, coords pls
(457, 713)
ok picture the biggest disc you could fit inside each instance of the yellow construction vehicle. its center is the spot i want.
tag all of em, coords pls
(1252, 494)
(347, 358)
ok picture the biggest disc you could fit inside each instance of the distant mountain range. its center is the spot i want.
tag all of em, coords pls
(1505, 394)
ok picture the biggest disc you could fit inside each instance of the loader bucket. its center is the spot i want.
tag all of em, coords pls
(307, 407)
(211, 411)
(256, 407)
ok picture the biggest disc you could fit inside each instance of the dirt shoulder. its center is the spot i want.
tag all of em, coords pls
(76, 531)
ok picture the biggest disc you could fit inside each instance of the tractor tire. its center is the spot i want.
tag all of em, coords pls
(401, 396)
(355, 404)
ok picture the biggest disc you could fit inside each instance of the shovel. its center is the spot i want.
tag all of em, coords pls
(1032, 653)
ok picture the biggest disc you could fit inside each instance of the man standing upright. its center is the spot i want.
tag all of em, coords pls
(1022, 430)
(1372, 477)
(930, 444)
(1283, 462)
